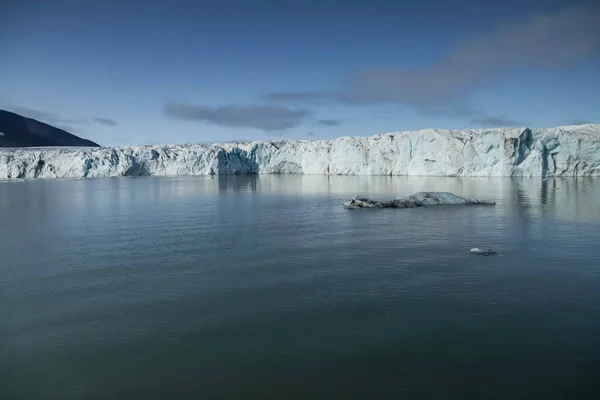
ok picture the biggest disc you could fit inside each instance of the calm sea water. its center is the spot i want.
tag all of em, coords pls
(265, 287)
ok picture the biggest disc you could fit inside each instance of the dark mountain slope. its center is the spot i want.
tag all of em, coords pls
(19, 131)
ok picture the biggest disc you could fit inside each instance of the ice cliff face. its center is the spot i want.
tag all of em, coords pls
(562, 151)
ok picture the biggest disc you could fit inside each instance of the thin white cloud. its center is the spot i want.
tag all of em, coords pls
(558, 40)
(106, 121)
(329, 122)
(267, 118)
(44, 116)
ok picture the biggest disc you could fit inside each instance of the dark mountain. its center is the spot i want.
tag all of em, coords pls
(19, 131)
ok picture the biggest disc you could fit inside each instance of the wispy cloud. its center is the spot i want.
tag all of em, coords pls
(490, 121)
(122, 140)
(311, 134)
(551, 41)
(66, 127)
(45, 116)
(106, 121)
(35, 114)
(580, 122)
(475, 117)
(329, 122)
(57, 120)
(267, 118)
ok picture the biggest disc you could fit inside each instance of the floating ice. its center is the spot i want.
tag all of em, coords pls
(415, 200)
(480, 252)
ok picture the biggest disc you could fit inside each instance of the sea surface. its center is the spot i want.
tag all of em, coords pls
(265, 287)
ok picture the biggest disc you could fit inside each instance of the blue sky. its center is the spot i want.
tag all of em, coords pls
(191, 71)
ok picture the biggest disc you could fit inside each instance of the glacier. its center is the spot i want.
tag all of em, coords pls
(562, 151)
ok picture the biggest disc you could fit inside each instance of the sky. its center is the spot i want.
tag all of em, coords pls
(166, 72)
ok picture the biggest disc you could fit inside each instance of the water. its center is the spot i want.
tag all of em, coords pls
(265, 287)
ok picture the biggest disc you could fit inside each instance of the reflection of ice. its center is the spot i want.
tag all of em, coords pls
(564, 198)
(237, 183)
(381, 186)
(568, 198)
(531, 197)
(575, 199)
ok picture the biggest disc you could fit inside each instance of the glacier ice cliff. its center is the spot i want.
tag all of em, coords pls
(419, 199)
(561, 151)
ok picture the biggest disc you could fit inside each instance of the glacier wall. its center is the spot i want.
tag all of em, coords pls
(561, 151)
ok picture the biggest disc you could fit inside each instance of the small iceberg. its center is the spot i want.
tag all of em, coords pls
(416, 200)
(480, 252)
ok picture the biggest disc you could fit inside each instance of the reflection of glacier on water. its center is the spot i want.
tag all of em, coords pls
(561, 198)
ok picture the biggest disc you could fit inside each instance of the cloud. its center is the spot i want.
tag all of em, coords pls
(106, 121)
(45, 116)
(267, 118)
(329, 122)
(551, 41)
(310, 134)
(490, 121)
(35, 114)
(474, 116)
(57, 120)
(580, 122)
(66, 127)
